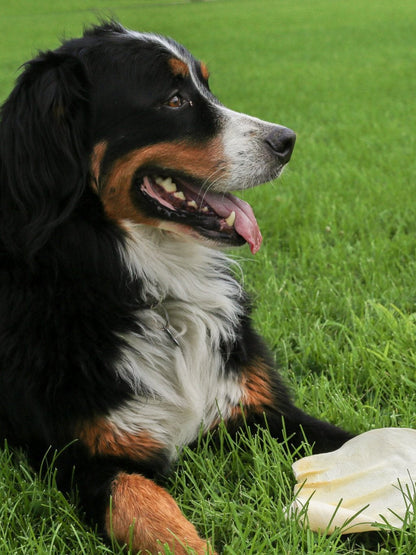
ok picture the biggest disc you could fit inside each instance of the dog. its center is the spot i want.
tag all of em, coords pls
(124, 332)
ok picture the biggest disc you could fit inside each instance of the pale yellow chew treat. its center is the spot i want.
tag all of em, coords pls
(373, 474)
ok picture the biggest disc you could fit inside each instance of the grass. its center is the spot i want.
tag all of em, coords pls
(334, 280)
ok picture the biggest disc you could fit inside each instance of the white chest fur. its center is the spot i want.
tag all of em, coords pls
(185, 386)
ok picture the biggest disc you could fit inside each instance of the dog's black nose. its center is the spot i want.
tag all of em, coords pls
(282, 142)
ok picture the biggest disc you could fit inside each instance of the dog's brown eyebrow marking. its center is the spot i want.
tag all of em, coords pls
(179, 67)
(204, 71)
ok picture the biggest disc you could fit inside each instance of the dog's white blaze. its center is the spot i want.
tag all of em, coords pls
(168, 45)
(185, 387)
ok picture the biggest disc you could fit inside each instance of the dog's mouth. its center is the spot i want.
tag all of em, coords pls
(220, 217)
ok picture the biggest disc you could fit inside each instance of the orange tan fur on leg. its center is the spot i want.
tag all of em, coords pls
(102, 437)
(256, 386)
(256, 391)
(146, 515)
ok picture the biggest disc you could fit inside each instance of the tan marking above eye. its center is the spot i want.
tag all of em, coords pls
(179, 67)
(204, 71)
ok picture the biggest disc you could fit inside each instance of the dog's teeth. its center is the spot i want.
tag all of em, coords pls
(192, 204)
(231, 219)
(167, 184)
(204, 209)
(179, 195)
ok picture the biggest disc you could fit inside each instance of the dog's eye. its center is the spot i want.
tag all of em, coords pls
(175, 101)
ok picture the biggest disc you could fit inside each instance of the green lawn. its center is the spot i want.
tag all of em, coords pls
(334, 280)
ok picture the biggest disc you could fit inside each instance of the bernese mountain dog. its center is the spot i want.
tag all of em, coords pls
(124, 331)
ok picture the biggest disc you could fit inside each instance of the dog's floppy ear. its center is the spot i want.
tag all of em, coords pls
(44, 150)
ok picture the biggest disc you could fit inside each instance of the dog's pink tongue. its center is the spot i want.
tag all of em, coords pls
(245, 221)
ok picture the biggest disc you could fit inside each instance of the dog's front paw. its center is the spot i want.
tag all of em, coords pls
(143, 516)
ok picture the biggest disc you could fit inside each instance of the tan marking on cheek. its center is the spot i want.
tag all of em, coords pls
(204, 71)
(101, 437)
(203, 162)
(179, 67)
(119, 206)
(145, 517)
(96, 160)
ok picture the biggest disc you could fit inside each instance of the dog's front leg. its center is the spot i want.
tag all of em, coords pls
(266, 401)
(145, 517)
(114, 473)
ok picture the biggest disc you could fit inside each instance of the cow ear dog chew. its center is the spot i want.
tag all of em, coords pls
(123, 330)
(366, 484)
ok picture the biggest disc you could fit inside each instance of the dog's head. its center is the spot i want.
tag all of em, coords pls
(131, 117)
